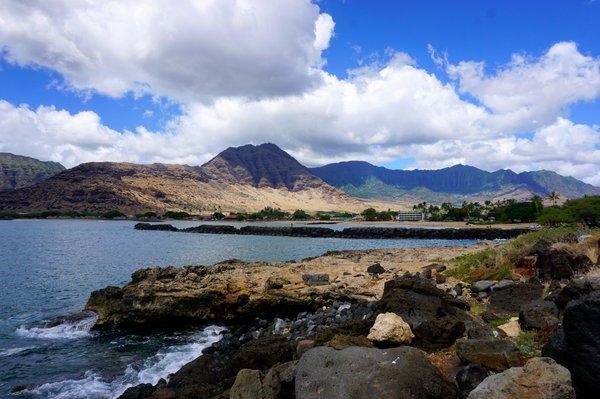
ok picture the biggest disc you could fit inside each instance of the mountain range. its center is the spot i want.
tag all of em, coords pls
(17, 171)
(251, 177)
(452, 184)
(246, 178)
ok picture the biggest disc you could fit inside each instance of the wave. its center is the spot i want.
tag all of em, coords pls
(14, 351)
(67, 330)
(165, 362)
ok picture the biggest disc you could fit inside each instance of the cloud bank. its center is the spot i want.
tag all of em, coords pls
(253, 71)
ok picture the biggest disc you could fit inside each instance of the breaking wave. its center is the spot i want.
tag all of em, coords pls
(66, 330)
(165, 362)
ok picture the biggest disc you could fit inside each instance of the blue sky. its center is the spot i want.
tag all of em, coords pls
(59, 69)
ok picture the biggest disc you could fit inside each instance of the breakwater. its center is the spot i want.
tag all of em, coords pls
(350, 232)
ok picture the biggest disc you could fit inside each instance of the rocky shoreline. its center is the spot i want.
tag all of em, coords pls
(375, 324)
(350, 232)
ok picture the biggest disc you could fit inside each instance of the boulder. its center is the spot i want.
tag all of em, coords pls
(576, 344)
(494, 354)
(439, 333)
(316, 279)
(389, 328)
(540, 378)
(375, 269)
(511, 328)
(362, 373)
(469, 377)
(538, 315)
(275, 283)
(247, 385)
(278, 382)
(432, 270)
(510, 299)
(575, 289)
(555, 261)
(482, 285)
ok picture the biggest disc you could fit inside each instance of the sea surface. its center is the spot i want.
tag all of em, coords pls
(48, 269)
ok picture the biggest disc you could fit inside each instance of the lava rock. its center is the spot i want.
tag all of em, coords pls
(576, 344)
(539, 378)
(316, 279)
(482, 285)
(510, 299)
(555, 263)
(538, 315)
(494, 354)
(357, 373)
(469, 377)
(389, 328)
(575, 289)
(439, 333)
(375, 269)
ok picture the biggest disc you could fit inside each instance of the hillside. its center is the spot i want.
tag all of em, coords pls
(246, 178)
(454, 184)
(18, 171)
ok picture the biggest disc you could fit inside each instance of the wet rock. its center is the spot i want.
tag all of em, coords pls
(482, 285)
(316, 279)
(439, 333)
(356, 373)
(539, 378)
(138, 392)
(375, 269)
(389, 328)
(510, 299)
(493, 354)
(538, 315)
(469, 377)
(247, 385)
(576, 344)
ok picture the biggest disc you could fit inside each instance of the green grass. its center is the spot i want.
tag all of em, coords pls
(497, 263)
(527, 344)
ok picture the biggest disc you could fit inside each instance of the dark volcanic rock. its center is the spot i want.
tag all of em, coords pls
(494, 354)
(576, 344)
(156, 227)
(419, 301)
(575, 289)
(469, 377)
(357, 373)
(316, 279)
(375, 269)
(558, 263)
(510, 299)
(538, 315)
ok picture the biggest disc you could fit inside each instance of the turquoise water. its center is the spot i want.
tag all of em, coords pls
(49, 267)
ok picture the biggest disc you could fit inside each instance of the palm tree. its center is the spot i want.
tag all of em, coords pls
(553, 196)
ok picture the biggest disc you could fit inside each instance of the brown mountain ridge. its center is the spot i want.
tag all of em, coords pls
(246, 178)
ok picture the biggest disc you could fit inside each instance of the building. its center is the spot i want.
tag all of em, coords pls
(410, 216)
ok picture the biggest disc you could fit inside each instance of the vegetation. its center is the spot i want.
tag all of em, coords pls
(146, 215)
(268, 213)
(527, 344)
(113, 214)
(176, 215)
(370, 214)
(300, 215)
(584, 210)
(497, 263)
(218, 216)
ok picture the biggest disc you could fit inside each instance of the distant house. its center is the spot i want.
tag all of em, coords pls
(410, 216)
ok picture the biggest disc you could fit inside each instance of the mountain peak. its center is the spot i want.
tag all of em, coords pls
(17, 171)
(264, 165)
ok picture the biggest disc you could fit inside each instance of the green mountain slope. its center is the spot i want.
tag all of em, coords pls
(18, 171)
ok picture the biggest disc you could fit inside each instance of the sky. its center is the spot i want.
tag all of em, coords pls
(411, 84)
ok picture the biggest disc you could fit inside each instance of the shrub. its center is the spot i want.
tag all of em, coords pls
(177, 215)
(112, 214)
(218, 216)
(370, 214)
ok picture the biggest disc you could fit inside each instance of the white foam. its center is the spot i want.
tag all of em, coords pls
(159, 366)
(79, 329)
(14, 351)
